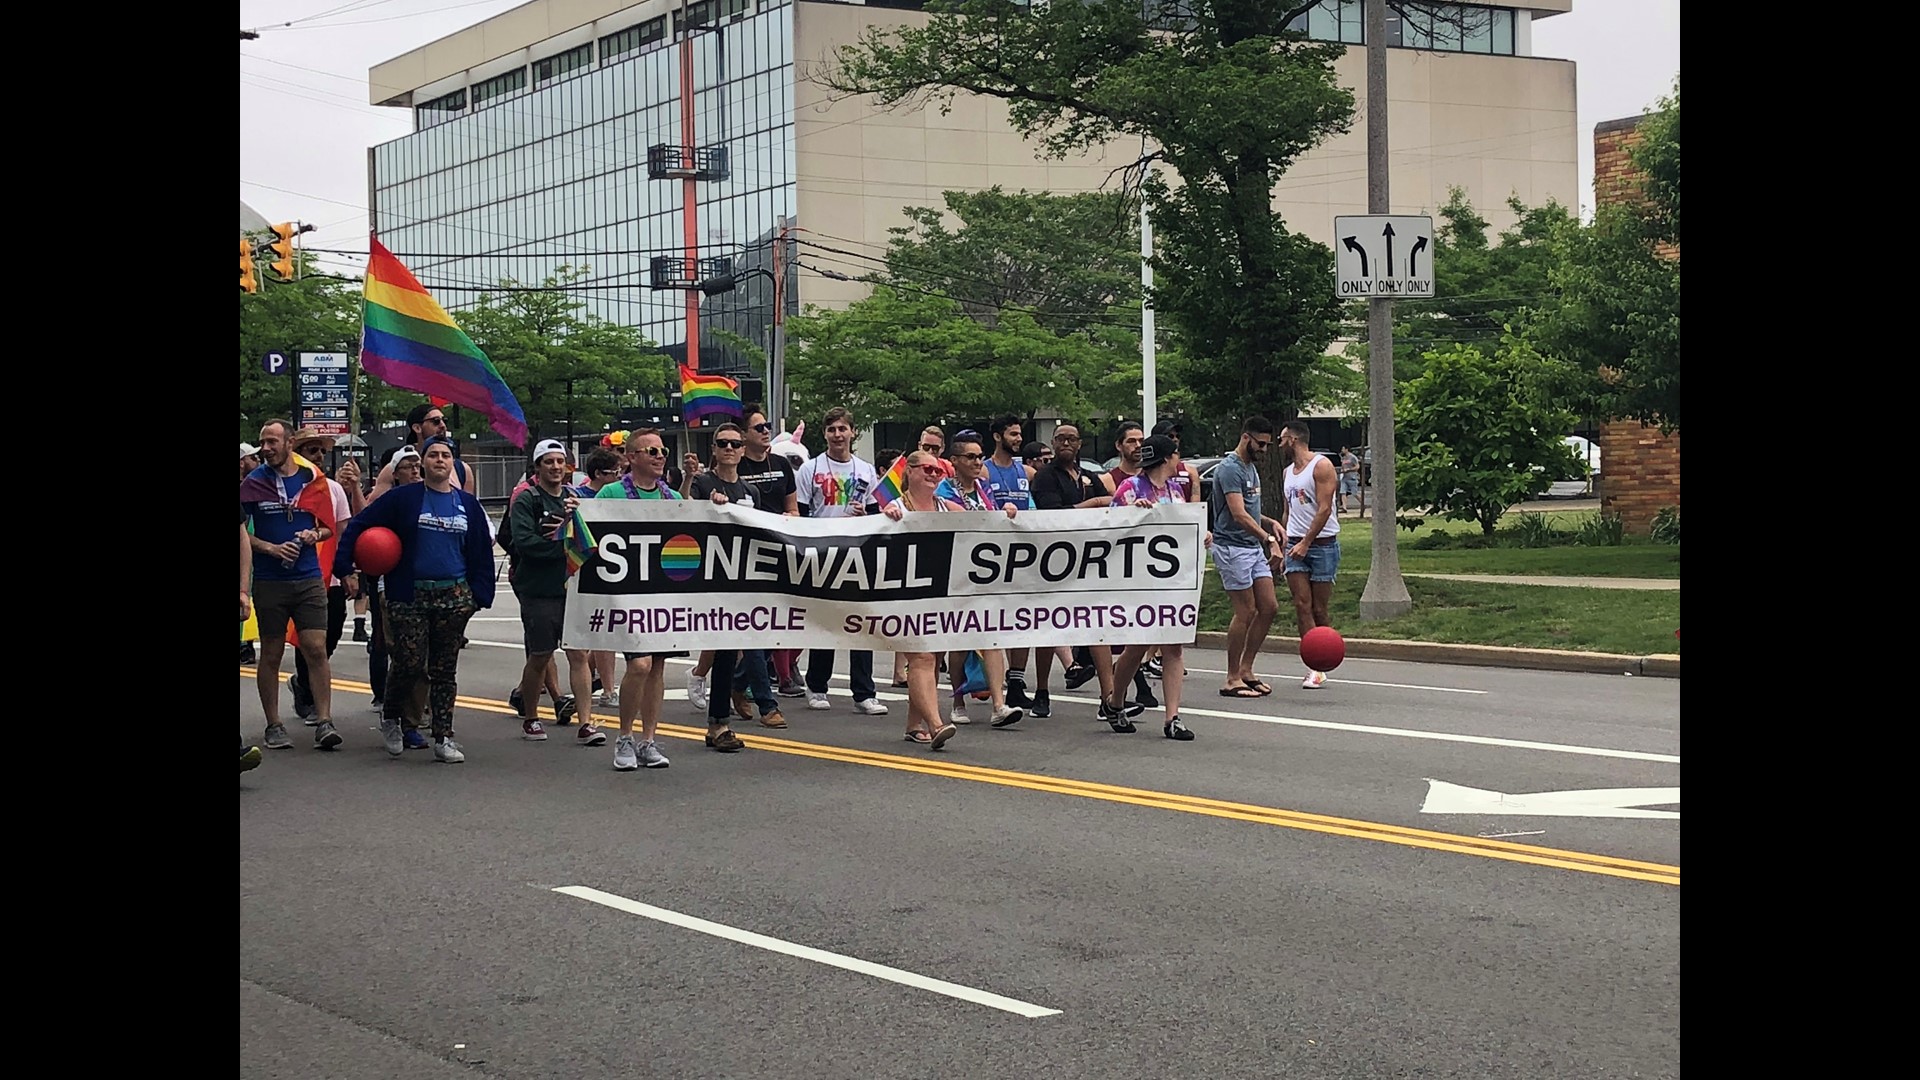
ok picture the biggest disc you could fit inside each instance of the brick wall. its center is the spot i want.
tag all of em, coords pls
(1639, 467)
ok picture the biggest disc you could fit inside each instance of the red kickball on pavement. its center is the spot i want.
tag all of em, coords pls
(1322, 648)
(377, 551)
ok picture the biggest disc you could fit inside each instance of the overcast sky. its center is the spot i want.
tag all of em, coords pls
(305, 124)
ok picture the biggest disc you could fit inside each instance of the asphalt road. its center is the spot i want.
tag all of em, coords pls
(1268, 900)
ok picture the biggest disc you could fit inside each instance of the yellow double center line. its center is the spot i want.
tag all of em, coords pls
(1658, 873)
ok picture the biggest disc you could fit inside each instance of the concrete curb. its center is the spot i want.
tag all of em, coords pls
(1666, 666)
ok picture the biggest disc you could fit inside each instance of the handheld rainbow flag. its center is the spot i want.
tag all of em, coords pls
(893, 485)
(410, 342)
(707, 395)
(579, 543)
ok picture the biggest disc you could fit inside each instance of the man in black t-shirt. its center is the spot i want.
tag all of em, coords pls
(770, 475)
(1060, 485)
(722, 483)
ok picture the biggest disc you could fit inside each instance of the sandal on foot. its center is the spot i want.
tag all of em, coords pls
(1258, 687)
(946, 732)
(918, 736)
(1239, 692)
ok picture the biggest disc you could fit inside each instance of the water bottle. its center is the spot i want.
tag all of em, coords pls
(289, 563)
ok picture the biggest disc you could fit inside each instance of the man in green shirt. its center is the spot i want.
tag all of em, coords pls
(536, 520)
(644, 686)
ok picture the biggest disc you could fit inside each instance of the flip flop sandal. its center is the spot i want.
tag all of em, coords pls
(917, 736)
(1258, 687)
(1243, 692)
(946, 732)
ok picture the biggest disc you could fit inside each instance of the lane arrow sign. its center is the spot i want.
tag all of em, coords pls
(1445, 798)
(1351, 244)
(1388, 233)
(1413, 259)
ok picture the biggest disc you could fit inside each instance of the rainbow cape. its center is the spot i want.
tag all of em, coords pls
(409, 341)
(578, 541)
(707, 395)
(893, 485)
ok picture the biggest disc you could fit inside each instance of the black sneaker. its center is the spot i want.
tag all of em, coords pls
(1142, 693)
(1078, 674)
(1042, 707)
(563, 711)
(514, 699)
(325, 737)
(1134, 708)
(246, 653)
(1152, 668)
(1017, 690)
(1116, 719)
(1177, 730)
(596, 684)
(359, 630)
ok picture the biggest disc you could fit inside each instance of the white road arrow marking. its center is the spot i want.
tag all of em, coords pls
(1445, 798)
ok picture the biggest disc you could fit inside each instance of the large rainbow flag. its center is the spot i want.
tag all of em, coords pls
(707, 395)
(409, 341)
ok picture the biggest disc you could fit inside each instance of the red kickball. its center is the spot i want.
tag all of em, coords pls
(377, 551)
(1322, 648)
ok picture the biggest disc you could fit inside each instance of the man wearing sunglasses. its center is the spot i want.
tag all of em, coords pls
(423, 423)
(720, 484)
(644, 686)
(770, 475)
(1061, 485)
(1244, 545)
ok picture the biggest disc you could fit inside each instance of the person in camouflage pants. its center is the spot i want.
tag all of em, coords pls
(423, 638)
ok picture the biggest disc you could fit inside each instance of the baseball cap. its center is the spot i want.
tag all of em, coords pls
(549, 446)
(404, 453)
(1031, 451)
(1156, 449)
(1167, 427)
(247, 449)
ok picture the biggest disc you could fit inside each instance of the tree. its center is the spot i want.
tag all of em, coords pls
(1616, 312)
(1472, 427)
(316, 313)
(917, 357)
(571, 373)
(1228, 96)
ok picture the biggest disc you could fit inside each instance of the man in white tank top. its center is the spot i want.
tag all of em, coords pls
(1313, 531)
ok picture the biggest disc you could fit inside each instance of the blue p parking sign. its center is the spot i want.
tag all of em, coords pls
(274, 363)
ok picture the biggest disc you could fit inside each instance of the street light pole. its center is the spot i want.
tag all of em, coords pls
(1385, 595)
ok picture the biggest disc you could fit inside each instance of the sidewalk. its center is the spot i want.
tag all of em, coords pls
(1663, 665)
(1653, 584)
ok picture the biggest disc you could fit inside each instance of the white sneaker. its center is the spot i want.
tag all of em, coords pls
(626, 756)
(1007, 715)
(871, 706)
(1314, 680)
(607, 699)
(697, 692)
(959, 715)
(448, 751)
(818, 701)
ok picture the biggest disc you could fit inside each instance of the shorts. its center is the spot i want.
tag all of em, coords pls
(1240, 566)
(632, 656)
(542, 619)
(1349, 485)
(305, 602)
(1321, 564)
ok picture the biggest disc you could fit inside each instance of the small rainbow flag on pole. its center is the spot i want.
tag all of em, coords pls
(893, 485)
(409, 341)
(707, 395)
(579, 542)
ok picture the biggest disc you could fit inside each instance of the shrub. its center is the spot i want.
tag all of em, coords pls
(1666, 525)
(1532, 531)
(1601, 530)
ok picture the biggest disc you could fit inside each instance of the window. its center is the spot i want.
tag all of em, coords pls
(699, 14)
(1503, 32)
(554, 67)
(633, 39)
(726, 9)
(1441, 27)
(499, 86)
(440, 109)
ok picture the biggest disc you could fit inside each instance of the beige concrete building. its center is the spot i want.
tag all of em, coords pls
(534, 126)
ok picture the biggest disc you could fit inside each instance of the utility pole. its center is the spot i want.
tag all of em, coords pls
(1149, 378)
(1385, 595)
(777, 356)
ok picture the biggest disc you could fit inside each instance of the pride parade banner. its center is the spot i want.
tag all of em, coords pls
(672, 576)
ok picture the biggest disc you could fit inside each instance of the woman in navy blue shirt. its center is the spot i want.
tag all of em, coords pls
(444, 576)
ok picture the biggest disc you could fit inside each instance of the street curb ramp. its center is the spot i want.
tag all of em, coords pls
(1661, 665)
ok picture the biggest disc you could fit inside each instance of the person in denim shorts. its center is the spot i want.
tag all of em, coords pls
(1308, 481)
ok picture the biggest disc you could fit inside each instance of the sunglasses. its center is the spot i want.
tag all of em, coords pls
(764, 429)
(650, 451)
(933, 470)
(976, 456)
(931, 448)
(607, 472)
(441, 420)
(727, 444)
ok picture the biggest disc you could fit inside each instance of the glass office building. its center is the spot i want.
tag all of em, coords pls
(545, 165)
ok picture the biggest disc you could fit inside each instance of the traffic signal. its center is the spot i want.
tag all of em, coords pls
(282, 247)
(248, 283)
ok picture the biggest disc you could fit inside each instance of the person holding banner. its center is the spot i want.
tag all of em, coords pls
(839, 484)
(966, 490)
(924, 725)
(1155, 484)
(644, 686)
